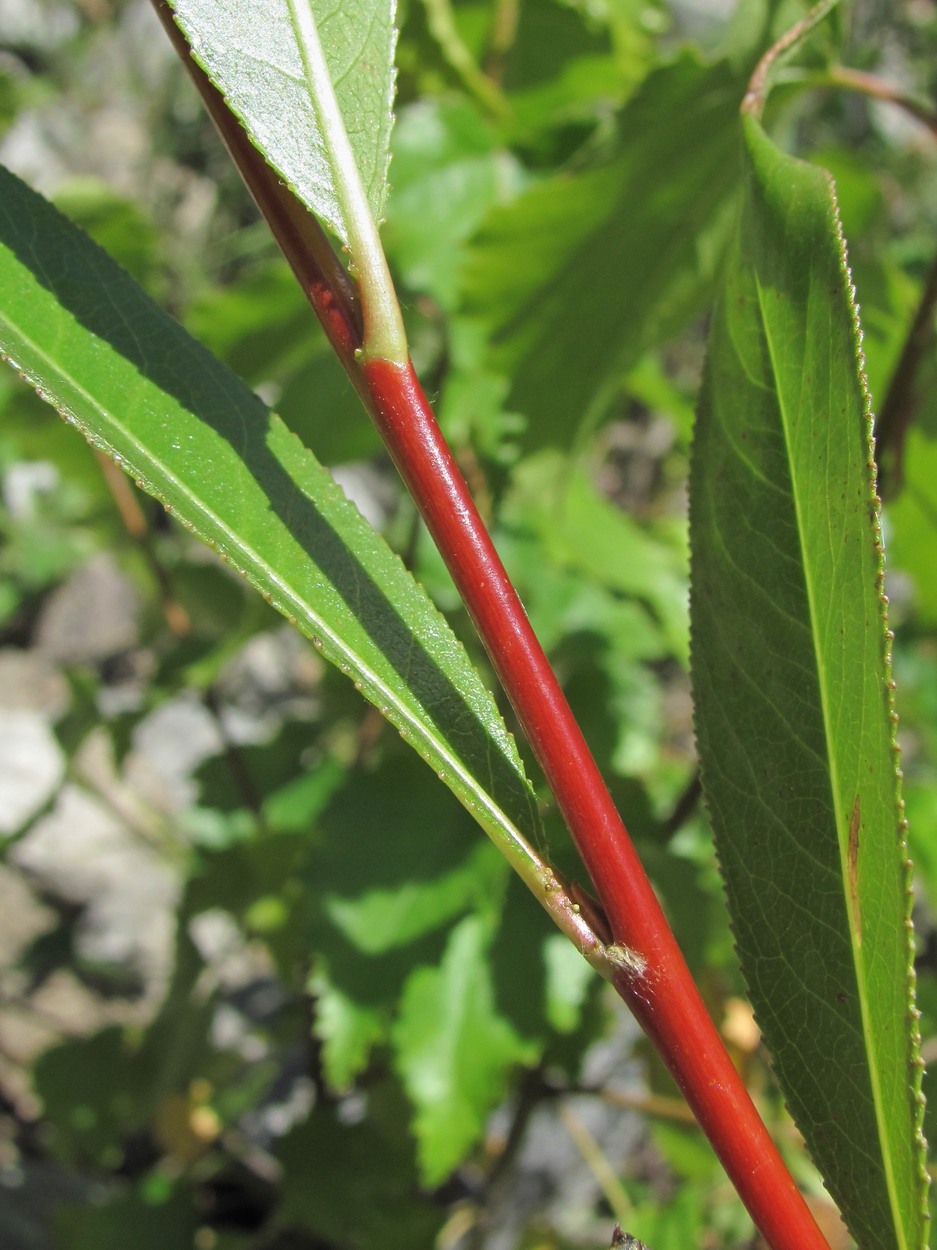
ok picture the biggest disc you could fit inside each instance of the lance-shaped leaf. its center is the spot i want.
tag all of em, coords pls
(194, 436)
(793, 696)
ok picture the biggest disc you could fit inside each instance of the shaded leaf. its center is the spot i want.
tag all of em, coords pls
(87, 1095)
(260, 326)
(411, 873)
(356, 1184)
(790, 668)
(582, 272)
(165, 1222)
(114, 222)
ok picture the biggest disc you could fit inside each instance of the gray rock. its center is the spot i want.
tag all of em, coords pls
(92, 616)
(31, 766)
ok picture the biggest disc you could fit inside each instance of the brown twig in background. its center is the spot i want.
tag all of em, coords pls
(686, 804)
(655, 1106)
(878, 89)
(234, 758)
(503, 33)
(597, 1162)
(138, 527)
(532, 1091)
(902, 398)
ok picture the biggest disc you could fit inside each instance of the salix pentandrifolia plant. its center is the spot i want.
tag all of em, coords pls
(310, 93)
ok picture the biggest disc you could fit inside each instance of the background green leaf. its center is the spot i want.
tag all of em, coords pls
(447, 173)
(793, 706)
(912, 521)
(583, 271)
(251, 53)
(585, 532)
(357, 1183)
(453, 1049)
(168, 1222)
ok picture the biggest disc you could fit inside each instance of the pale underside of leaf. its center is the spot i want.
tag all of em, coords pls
(253, 53)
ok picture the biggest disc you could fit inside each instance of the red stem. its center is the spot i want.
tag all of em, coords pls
(653, 979)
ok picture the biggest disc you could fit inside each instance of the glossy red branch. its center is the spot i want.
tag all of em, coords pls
(653, 977)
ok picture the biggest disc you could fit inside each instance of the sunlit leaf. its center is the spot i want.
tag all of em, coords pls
(453, 1050)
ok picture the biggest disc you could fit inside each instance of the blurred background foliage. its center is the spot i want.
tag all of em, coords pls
(264, 986)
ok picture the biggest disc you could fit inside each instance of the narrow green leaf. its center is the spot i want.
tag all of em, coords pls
(253, 54)
(191, 433)
(453, 1050)
(794, 706)
(580, 274)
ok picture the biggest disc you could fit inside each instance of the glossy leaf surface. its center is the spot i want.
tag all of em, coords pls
(794, 708)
